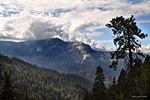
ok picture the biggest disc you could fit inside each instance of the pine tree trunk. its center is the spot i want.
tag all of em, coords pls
(130, 52)
(130, 58)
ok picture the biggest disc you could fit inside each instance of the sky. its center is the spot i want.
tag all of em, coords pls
(70, 20)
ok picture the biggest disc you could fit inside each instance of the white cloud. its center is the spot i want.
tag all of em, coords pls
(105, 41)
(145, 48)
(95, 34)
(144, 21)
(36, 18)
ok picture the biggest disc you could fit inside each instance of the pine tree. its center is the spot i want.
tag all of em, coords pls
(146, 72)
(98, 91)
(125, 32)
(7, 91)
(111, 92)
(122, 76)
(0, 72)
(121, 84)
(0, 77)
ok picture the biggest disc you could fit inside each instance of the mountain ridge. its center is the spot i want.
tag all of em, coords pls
(65, 57)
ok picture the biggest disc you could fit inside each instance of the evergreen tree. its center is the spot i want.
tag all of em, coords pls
(7, 91)
(146, 73)
(125, 32)
(0, 72)
(98, 91)
(121, 84)
(134, 81)
(121, 77)
(0, 77)
(111, 92)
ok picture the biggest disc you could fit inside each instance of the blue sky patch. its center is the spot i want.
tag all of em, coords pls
(57, 12)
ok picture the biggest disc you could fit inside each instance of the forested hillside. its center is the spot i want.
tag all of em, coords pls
(28, 82)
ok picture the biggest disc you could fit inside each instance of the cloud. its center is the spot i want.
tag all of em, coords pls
(95, 34)
(145, 48)
(106, 41)
(36, 19)
(42, 30)
(144, 21)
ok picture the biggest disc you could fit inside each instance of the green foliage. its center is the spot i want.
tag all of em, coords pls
(7, 90)
(121, 82)
(0, 72)
(98, 92)
(30, 82)
(134, 85)
(125, 33)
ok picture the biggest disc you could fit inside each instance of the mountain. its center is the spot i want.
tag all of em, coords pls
(65, 57)
(39, 83)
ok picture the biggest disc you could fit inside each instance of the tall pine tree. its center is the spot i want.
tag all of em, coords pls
(98, 91)
(125, 33)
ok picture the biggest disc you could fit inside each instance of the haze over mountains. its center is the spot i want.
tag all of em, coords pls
(65, 57)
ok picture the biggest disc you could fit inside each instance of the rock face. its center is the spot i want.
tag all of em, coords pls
(65, 57)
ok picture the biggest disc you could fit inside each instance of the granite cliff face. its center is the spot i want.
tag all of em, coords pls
(65, 57)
